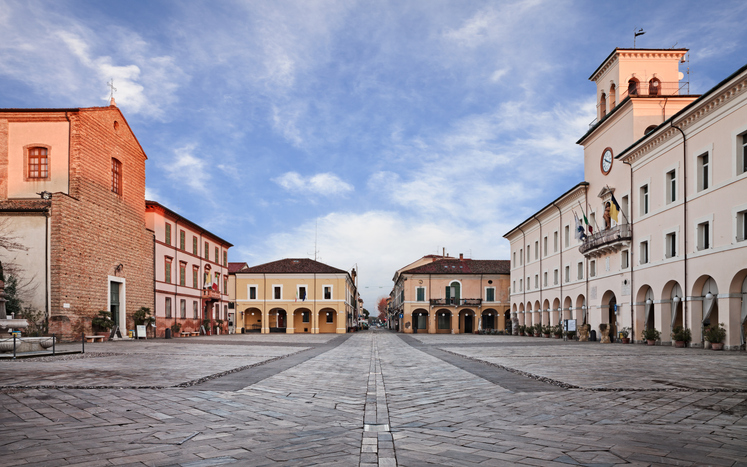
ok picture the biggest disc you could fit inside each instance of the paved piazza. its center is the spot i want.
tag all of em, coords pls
(374, 398)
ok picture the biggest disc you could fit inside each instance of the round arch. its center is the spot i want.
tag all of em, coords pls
(467, 321)
(444, 321)
(420, 320)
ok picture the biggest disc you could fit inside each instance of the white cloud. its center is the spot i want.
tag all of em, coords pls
(325, 184)
(188, 169)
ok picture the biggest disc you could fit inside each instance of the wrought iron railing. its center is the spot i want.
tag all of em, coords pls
(456, 301)
(620, 232)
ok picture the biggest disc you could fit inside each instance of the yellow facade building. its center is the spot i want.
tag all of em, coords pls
(295, 295)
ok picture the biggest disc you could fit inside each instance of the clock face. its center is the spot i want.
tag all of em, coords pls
(606, 161)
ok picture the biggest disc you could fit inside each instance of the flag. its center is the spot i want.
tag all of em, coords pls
(586, 221)
(614, 209)
(579, 228)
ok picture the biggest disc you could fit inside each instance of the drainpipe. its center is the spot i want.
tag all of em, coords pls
(685, 226)
(524, 269)
(560, 268)
(632, 249)
(539, 254)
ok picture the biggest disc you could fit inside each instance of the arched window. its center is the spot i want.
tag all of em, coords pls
(116, 176)
(649, 129)
(613, 89)
(633, 87)
(603, 105)
(38, 163)
(654, 87)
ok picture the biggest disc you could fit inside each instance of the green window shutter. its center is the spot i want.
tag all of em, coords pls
(448, 292)
(421, 294)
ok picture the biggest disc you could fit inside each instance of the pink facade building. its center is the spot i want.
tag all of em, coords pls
(665, 197)
(191, 274)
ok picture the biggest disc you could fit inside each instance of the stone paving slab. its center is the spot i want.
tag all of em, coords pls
(423, 411)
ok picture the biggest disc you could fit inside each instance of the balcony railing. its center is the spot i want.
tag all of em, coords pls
(210, 294)
(657, 89)
(456, 302)
(612, 238)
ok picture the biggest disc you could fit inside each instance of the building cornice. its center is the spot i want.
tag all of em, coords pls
(637, 54)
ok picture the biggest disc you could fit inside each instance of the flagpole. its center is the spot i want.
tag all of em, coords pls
(612, 195)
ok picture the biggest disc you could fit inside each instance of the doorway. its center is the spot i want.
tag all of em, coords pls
(612, 317)
(467, 324)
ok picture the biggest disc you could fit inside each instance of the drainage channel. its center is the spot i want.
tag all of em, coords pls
(377, 445)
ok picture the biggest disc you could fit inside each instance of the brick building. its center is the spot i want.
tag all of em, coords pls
(191, 277)
(72, 191)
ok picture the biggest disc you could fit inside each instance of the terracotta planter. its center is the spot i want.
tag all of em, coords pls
(679, 344)
(649, 342)
(547, 336)
(717, 345)
(521, 333)
(625, 340)
(557, 337)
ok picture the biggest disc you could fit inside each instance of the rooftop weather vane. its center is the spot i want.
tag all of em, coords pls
(112, 88)
(637, 33)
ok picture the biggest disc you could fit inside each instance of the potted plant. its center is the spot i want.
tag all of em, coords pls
(624, 335)
(715, 334)
(681, 336)
(650, 335)
(522, 328)
(218, 325)
(175, 328)
(571, 335)
(537, 330)
(546, 331)
(557, 331)
(102, 324)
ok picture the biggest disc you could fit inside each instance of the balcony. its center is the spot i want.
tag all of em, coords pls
(456, 302)
(657, 89)
(607, 241)
(210, 294)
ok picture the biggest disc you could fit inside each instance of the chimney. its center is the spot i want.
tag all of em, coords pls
(461, 256)
(112, 103)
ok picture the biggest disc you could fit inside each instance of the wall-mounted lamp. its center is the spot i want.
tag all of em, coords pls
(676, 299)
(45, 195)
(119, 267)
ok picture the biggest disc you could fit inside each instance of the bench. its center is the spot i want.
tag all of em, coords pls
(195, 333)
(190, 333)
(94, 338)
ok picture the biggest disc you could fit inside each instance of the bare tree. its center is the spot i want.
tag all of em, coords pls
(9, 241)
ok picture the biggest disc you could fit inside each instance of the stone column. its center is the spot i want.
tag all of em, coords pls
(340, 322)
(265, 321)
(290, 328)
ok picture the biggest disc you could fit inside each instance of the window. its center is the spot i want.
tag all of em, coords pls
(305, 317)
(182, 240)
(216, 255)
(555, 242)
(592, 218)
(567, 235)
(514, 259)
(302, 293)
(592, 268)
(544, 244)
(741, 226)
(194, 246)
(602, 105)
(612, 96)
(521, 285)
(536, 249)
(252, 292)
(277, 292)
(743, 168)
(207, 251)
(536, 281)
(544, 279)
(38, 163)
(624, 259)
(514, 287)
(671, 245)
(167, 233)
(649, 129)
(167, 270)
(195, 274)
(654, 87)
(567, 273)
(490, 294)
(330, 317)
(328, 293)
(529, 253)
(644, 252)
(624, 209)
(421, 294)
(195, 310)
(116, 176)
(183, 308)
(217, 282)
(168, 307)
(225, 284)
(644, 200)
(444, 321)
(182, 273)
(225, 259)
(580, 271)
(521, 256)
(704, 236)
(555, 277)
(671, 186)
(633, 87)
(703, 169)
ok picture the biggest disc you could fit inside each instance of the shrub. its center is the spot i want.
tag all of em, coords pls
(681, 334)
(650, 334)
(175, 328)
(103, 322)
(715, 334)
(143, 316)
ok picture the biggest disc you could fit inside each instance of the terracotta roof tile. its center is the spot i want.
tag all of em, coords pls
(294, 265)
(236, 267)
(464, 266)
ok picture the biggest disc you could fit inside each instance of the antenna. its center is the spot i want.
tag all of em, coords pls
(316, 235)
(637, 33)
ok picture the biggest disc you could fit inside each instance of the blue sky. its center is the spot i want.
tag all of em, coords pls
(399, 127)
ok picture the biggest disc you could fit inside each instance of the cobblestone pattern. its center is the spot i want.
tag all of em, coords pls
(326, 410)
